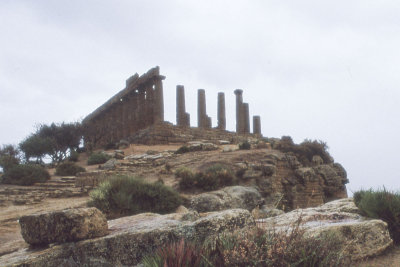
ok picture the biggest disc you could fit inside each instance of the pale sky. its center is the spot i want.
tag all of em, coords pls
(326, 70)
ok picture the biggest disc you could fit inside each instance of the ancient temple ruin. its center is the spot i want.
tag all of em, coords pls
(140, 105)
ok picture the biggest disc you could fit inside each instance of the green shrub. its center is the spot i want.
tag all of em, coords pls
(73, 156)
(9, 156)
(127, 195)
(186, 178)
(244, 146)
(68, 168)
(182, 150)
(25, 174)
(98, 158)
(305, 151)
(214, 177)
(381, 204)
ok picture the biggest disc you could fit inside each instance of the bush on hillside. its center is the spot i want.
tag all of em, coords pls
(25, 174)
(214, 177)
(182, 150)
(9, 156)
(128, 195)
(73, 156)
(305, 151)
(68, 169)
(245, 146)
(186, 178)
(381, 204)
(98, 158)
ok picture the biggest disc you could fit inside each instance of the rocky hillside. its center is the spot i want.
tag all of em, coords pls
(287, 178)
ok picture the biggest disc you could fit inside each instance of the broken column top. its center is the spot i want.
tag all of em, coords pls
(238, 91)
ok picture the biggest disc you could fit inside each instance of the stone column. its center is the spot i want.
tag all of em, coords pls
(150, 105)
(256, 125)
(140, 111)
(133, 106)
(158, 100)
(221, 111)
(239, 103)
(181, 119)
(201, 109)
(125, 116)
(246, 118)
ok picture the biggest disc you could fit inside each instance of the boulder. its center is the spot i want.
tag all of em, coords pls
(130, 239)
(360, 237)
(227, 198)
(111, 164)
(63, 226)
(266, 212)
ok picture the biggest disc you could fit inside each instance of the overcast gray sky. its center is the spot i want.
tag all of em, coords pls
(325, 70)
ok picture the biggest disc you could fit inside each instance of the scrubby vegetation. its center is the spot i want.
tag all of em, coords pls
(305, 151)
(244, 146)
(68, 168)
(9, 156)
(253, 248)
(214, 177)
(381, 204)
(127, 195)
(25, 174)
(73, 156)
(98, 158)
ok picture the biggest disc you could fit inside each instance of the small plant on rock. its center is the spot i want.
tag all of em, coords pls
(182, 150)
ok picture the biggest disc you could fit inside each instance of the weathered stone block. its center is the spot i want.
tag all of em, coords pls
(63, 226)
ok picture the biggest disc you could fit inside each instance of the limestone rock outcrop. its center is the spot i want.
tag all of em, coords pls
(63, 226)
(227, 198)
(131, 238)
(360, 237)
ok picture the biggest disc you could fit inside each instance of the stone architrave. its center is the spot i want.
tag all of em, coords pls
(246, 118)
(221, 111)
(239, 103)
(257, 125)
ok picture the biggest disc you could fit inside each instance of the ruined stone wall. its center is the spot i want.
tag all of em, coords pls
(136, 107)
(166, 133)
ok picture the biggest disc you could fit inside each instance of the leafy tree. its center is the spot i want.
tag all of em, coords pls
(55, 140)
(37, 147)
(9, 156)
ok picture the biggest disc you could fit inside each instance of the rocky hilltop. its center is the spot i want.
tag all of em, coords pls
(285, 179)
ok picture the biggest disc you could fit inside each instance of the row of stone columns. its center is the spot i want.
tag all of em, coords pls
(204, 121)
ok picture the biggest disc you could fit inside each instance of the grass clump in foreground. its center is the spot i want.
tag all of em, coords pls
(68, 168)
(257, 247)
(25, 174)
(127, 195)
(98, 158)
(214, 177)
(381, 204)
